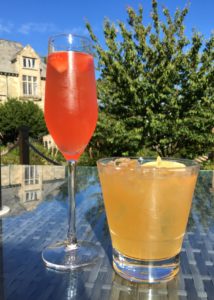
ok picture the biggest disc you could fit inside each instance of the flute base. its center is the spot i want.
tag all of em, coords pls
(63, 256)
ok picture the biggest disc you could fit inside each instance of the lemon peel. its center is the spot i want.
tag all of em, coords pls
(159, 163)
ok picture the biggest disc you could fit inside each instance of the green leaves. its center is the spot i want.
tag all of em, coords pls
(15, 113)
(112, 136)
(156, 86)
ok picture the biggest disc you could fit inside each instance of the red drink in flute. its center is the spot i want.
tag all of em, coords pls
(71, 116)
(70, 101)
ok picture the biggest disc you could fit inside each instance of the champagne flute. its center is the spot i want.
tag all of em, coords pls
(71, 114)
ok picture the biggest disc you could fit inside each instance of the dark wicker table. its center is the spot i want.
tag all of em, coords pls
(37, 197)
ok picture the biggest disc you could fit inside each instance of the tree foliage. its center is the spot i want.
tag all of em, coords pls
(15, 113)
(156, 86)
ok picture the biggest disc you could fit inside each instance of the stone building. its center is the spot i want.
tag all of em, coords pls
(49, 143)
(24, 187)
(22, 73)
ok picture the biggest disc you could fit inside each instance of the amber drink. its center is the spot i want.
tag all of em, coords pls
(147, 203)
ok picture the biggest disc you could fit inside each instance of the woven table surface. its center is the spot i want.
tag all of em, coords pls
(37, 221)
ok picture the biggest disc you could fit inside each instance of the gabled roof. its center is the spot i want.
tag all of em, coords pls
(8, 53)
(8, 50)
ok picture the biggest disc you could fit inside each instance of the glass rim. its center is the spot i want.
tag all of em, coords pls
(70, 42)
(191, 163)
(51, 38)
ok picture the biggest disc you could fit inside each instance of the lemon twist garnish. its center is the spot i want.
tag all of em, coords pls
(159, 163)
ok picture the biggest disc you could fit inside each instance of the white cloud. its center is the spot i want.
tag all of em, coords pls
(39, 27)
(30, 27)
(6, 27)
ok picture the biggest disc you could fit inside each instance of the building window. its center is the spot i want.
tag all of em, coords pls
(29, 85)
(31, 196)
(31, 175)
(29, 62)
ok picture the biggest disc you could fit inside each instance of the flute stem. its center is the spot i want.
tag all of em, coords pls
(71, 202)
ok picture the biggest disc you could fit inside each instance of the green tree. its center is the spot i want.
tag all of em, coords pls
(156, 86)
(15, 113)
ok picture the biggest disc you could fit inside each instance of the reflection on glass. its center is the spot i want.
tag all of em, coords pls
(72, 287)
(31, 196)
(31, 190)
(30, 184)
(212, 187)
(31, 175)
(131, 290)
(203, 204)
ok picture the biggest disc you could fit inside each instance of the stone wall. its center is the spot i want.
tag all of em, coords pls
(3, 87)
(11, 85)
(15, 174)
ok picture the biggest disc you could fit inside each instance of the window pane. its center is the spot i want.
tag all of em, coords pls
(31, 196)
(26, 174)
(31, 171)
(25, 88)
(29, 62)
(24, 77)
(29, 88)
(34, 86)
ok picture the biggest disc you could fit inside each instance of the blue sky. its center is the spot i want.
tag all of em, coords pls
(32, 22)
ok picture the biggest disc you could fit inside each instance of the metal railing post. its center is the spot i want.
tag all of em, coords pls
(24, 156)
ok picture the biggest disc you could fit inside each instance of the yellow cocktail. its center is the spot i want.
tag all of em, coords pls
(147, 205)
